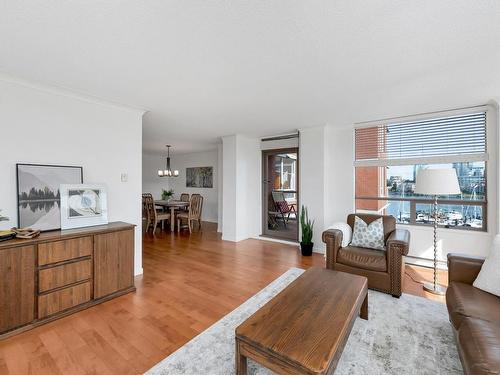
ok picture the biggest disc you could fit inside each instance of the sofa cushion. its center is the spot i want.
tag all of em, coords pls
(489, 276)
(479, 346)
(360, 257)
(463, 300)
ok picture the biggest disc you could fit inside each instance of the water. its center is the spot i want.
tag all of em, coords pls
(42, 214)
(467, 213)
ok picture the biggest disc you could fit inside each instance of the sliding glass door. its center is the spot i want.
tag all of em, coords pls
(280, 171)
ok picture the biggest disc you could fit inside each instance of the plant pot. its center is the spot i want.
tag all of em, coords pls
(306, 249)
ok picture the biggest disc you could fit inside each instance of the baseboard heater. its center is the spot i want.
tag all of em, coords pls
(425, 262)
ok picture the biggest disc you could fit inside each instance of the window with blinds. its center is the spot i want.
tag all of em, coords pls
(388, 155)
(443, 139)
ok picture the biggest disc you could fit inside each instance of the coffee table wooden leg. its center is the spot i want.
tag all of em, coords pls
(364, 309)
(241, 361)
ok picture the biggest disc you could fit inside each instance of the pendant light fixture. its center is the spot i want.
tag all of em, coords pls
(167, 172)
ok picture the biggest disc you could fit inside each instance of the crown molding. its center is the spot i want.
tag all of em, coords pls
(69, 93)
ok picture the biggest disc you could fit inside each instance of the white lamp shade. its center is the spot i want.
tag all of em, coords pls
(437, 182)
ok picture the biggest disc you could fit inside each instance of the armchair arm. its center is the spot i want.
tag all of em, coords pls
(463, 268)
(333, 240)
(399, 239)
(398, 245)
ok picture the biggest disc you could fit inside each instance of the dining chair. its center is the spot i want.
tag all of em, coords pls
(184, 198)
(153, 216)
(193, 214)
(144, 207)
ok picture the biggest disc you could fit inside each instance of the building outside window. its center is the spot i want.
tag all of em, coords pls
(284, 166)
(390, 153)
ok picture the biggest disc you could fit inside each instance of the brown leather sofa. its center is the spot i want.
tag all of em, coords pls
(384, 269)
(475, 317)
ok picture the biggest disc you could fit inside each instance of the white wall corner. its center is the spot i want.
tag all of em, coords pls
(241, 175)
(229, 186)
(312, 177)
(220, 159)
(495, 104)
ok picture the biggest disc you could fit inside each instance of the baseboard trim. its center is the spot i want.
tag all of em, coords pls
(272, 239)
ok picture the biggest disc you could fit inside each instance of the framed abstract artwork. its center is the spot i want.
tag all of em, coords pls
(199, 177)
(38, 195)
(83, 205)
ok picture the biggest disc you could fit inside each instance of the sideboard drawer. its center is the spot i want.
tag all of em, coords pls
(63, 299)
(53, 252)
(65, 274)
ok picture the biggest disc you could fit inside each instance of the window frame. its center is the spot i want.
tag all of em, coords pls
(428, 160)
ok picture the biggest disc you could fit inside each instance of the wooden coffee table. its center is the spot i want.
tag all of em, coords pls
(303, 329)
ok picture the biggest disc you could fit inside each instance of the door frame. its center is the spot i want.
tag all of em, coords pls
(265, 200)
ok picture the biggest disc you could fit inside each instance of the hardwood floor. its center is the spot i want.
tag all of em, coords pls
(189, 283)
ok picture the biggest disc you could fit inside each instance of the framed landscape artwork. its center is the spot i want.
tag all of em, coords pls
(199, 177)
(38, 195)
(83, 205)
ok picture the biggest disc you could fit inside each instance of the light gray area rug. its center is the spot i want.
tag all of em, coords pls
(409, 335)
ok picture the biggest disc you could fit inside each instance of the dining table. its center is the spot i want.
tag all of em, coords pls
(172, 205)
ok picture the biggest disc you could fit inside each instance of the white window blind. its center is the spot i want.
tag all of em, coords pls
(443, 139)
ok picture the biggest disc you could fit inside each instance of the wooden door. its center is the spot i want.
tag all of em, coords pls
(17, 287)
(113, 262)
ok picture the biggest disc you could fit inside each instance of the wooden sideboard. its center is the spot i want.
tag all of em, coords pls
(61, 272)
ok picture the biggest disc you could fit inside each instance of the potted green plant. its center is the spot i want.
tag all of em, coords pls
(306, 245)
(166, 194)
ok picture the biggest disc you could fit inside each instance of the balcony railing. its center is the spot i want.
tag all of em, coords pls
(446, 218)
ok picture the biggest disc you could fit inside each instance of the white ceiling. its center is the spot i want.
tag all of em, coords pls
(210, 68)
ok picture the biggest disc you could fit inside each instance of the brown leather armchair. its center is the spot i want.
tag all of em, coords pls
(384, 269)
(474, 316)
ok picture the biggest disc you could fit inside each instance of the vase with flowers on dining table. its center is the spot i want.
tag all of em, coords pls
(166, 195)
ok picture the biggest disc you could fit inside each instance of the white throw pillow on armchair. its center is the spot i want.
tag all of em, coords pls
(346, 232)
(489, 276)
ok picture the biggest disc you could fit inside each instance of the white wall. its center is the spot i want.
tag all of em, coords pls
(338, 199)
(248, 188)
(151, 183)
(229, 188)
(220, 158)
(45, 126)
(241, 216)
(339, 173)
(312, 179)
